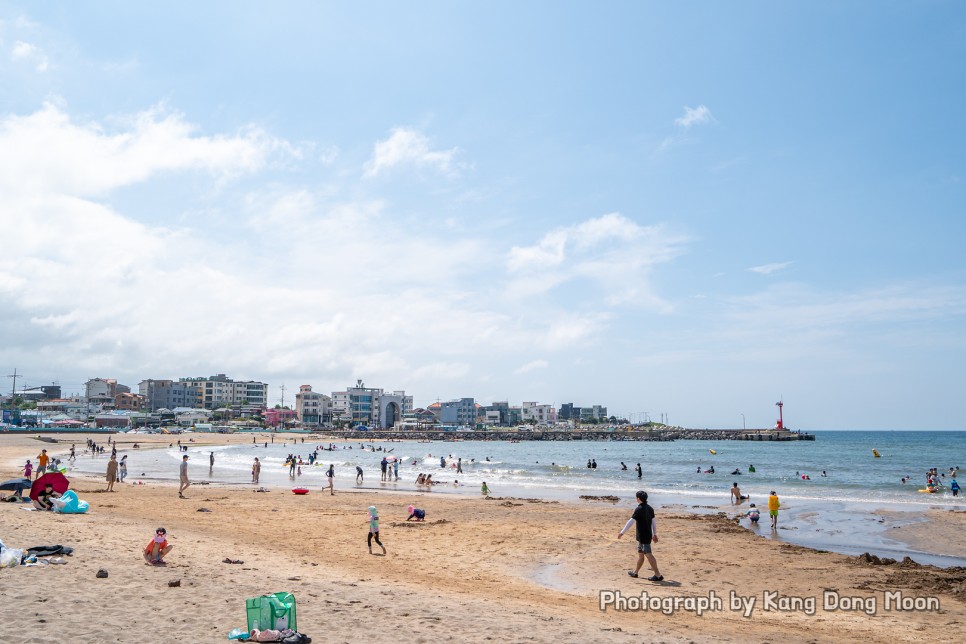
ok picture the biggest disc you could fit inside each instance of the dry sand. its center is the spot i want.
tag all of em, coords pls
(477, 570)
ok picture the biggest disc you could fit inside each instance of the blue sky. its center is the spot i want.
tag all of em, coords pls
(683, 209)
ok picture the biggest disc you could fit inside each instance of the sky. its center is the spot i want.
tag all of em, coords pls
(686, 211)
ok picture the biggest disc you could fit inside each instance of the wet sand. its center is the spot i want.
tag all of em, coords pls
(476, 570)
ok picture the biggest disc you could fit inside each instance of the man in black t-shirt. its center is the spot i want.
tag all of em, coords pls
(646, 533)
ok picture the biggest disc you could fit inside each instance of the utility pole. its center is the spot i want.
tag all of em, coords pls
(13, 391)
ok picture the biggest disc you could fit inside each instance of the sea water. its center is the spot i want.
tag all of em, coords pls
(834, 511)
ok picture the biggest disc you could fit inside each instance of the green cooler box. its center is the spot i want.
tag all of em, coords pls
(271, 612)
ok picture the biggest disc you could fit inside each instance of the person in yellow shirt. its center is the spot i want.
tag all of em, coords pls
(773, 506)
(42, 460)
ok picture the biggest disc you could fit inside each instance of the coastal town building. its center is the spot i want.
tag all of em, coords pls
(460, 412)
(167, 394)
(102, 391)
(128, 401)
(312, 407)
(370, 406)
(220, 390)
(540, 414)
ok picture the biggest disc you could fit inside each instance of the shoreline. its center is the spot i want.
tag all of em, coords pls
(476, 570)
(839, 525)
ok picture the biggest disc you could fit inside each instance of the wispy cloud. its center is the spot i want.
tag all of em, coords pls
(612, 251)
(768, 269)
(48, 153)
(409, 146)
(24, 51)
(699, 115)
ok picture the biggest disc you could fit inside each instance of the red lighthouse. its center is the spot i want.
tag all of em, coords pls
(781, 424)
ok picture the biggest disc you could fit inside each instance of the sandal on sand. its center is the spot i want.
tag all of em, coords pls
(56, 560)
(631, 573)
(655, 578)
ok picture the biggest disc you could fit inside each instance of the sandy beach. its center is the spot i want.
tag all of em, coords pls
(499, 569)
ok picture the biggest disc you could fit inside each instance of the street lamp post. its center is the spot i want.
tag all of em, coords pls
(742, 420)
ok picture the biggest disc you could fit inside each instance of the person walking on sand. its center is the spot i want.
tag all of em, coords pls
(184, 477)
(330, 474)
(73, 453)
(646, 533)
(111, 473)
(256, 470)
(374, 529)
(123, 468)
(773, 505)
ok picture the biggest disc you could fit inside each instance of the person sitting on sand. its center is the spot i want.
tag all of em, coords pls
(485, 491)
(416, 513)
(43, 499)
(736, 496)
(157, 548)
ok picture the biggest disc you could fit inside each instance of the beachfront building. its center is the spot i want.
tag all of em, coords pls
(370, 406)
(167, 394)
(186, 417)
(461, 411)
(102, 391)
(278, 417)
(593, 414)
(312, 407)
(126, 401)
(221, 391)
(537, 413)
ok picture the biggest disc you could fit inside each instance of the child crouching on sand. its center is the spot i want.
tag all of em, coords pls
(157, 548)
(374, 529)
(753, 514)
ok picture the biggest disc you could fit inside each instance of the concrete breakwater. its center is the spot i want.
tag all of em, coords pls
(663, 434)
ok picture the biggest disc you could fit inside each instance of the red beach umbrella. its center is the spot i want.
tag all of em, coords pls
(56, 479)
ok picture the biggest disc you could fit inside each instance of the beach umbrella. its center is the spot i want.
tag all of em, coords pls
(56, 479)
(15, 484)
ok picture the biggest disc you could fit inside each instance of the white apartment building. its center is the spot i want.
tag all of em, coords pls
(542, 414)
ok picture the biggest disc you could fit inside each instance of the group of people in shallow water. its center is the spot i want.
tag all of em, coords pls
(935, 481)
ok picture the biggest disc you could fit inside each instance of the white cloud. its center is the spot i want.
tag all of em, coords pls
(700, 115)
(611, 251)
(768, 269)
(46, 152)
(532, 365)
(409, 146)
(25, 51)
(303, 282)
